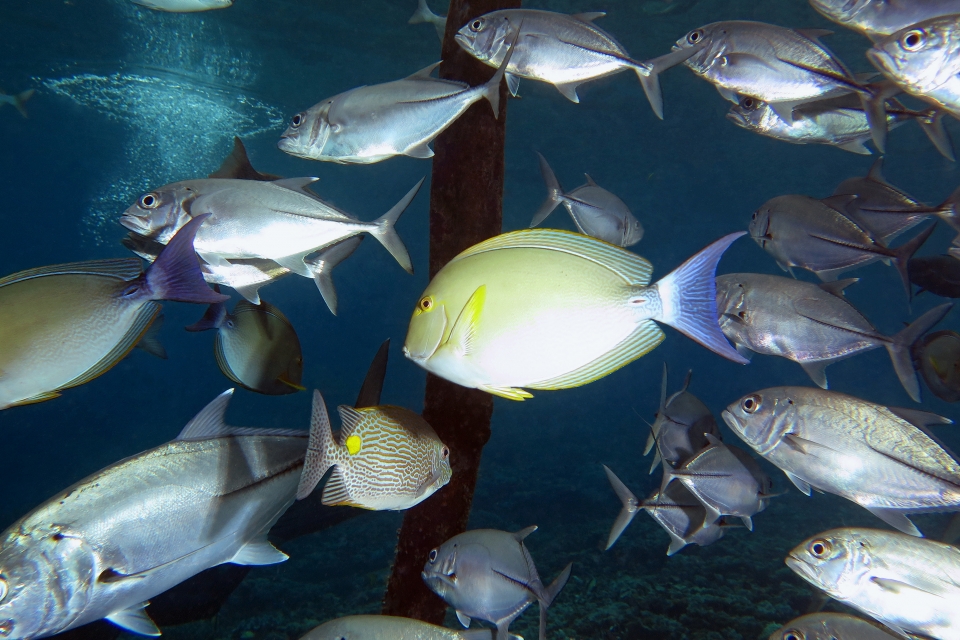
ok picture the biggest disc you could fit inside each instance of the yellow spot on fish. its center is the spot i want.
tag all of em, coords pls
(353, 445)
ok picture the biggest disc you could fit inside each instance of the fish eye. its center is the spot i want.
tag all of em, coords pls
(130, 290)
(695, 36)
(748, 103)
(477, 25)
(433, 555)
(425, 304)
(229, 323)
(750, 404)
(820, 548)
(793, 634)
(445, 453)
(149, 201)
(913, 39)
(297, 120)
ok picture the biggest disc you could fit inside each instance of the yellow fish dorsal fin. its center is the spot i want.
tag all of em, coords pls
(464, 331)
(628, 265)
(353, 444)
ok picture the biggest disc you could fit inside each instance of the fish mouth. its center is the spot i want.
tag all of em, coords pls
(465, 42)
(738, 119)
(732, 421)
(801, 568)
(135, 223)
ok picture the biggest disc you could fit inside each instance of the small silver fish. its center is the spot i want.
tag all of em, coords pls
(18, 101)
(184, 6)
(387, 458)
(594, 210)
(680, 428)
(875, 18)
(922, 60)
(424, 15)
(256, 347)
(393, 628)
(817, 235)
(910, 585)
(675, 509)
(878, 457)
(831, 626)
(937, 358)
(813, 325)
(489, 574)
(560, 49)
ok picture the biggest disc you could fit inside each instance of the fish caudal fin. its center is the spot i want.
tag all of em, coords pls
(387, 234)
(551, 592)
(320, 448)
(554, 192)
(176, 274)
(949, 211)
(322, 266)
(648, 73)
(902, 254)
(19, 101)
(688, 297)
(491, 90)
(629, 510)
(899, 347)
(424, 15)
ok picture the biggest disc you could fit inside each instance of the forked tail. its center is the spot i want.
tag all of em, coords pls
(899, 347)
(387, 234)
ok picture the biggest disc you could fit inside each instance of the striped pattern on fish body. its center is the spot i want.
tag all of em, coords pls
(387, 458)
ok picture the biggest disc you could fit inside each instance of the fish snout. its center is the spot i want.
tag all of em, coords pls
(465, 41)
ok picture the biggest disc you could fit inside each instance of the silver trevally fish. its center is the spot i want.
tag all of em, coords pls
(559, 49)
(489, 575)
(922, 59)
(372, 123)
(811, 324)
(549, 309)
(721, 482)
(256, 347)
(838, 122)
(675, 509)
(781, 67)
(681, 425)
(910, 585)
(184, 6)
(373, 627)
(63, 325)
(819, 236)
(875, 18)
(887, 211)
(594, 210)
(879, 457)
(248, 276)
(18, 100)
(107, 545)
(424, 15)
(387, 458)
(830, 626)
(279, 220)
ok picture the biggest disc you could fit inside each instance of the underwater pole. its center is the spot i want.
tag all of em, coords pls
(465, 208)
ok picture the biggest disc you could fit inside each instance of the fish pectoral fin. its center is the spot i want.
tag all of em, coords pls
(896, 519)
(464, 332)
(426, 484)
(213, 259)
(799, 483)
(464, 619)
(509, 393)
(817, 372)
(293, 385)
(135, 620)
(513, 84)
(729, 95)
(258, 552)
(900, 588)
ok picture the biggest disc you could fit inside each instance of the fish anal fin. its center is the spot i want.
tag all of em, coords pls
(799, 483)
(817, 371)
(258, 552)
(335, 491)
(509, 393)
(135, 620)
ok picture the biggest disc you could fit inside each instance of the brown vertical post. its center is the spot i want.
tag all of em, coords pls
(465, 208)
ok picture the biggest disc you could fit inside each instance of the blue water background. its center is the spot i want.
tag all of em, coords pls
(128, 99)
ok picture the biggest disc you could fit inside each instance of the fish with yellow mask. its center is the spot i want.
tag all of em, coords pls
(256, 347)
(937, 357)
(387, 458)
(550, 309)
(63, 325)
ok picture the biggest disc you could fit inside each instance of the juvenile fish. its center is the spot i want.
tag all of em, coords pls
(18, 100)
(370, 124)
(63, 325)
(594, 210)
(489, 574)
(878, 457)
(560, 49)
(581, 309)
(184, 6)
(922, 60)
(424, 15)
(675, 509)
(681, 427)
(910, 585)
(813, 325)
(279, 221)
(875, 18)
(800, 231)
(105, 546)
(387, 458)
(393, 628)
(831, 626)
(256, 347)
(937, 358)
